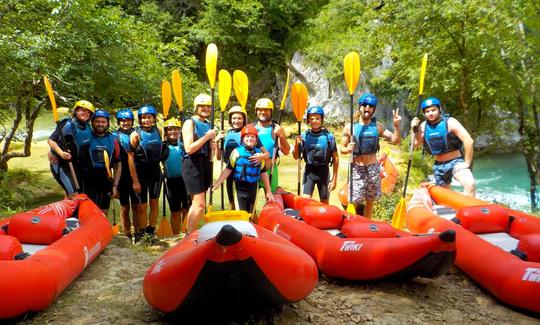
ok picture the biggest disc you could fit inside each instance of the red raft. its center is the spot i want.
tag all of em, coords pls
(229, 260)
(363, 249)
(496, 246)
(43, 250)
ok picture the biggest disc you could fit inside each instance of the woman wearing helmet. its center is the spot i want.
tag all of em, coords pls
(144, 157)
(125, 120)
(199, 145)
(76, 133)
(246, 171)
(444, 137)
(318, 148)
(364, 145)
(174, 182)
(237, 120)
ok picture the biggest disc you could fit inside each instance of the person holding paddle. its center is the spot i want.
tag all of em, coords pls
(271, 134)
(199, 145)
(144, 157)
(318, 148)
(443, 137)
(364, 144)
(69, 143)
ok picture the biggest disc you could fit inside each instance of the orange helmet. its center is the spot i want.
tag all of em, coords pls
(249, 129)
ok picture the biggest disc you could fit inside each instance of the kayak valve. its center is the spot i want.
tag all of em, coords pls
(448, 236)
(228, 235)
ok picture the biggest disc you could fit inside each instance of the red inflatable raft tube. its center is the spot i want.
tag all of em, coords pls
(363, 249)
(498, 247)
(229, 260)
(43, 250)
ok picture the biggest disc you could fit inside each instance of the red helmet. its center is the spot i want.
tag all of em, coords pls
(249, 129)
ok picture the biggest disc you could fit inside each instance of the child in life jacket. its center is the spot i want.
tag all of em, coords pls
(246, 171)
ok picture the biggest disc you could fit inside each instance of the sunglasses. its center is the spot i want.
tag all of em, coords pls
(367, 105)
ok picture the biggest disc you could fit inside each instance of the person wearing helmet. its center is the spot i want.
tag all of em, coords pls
(271, 135)
(174, 182)
(95, 176)
(246, 171)
(144, 157)
(318, 148)
(125, 120)
(364, 145)
(199, 145)
(76, 133)
(231, 140)
(444, 137)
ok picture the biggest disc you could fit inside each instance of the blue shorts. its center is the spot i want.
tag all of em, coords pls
(444, 171)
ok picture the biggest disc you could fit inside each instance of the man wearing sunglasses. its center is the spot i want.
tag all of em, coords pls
(364, 146)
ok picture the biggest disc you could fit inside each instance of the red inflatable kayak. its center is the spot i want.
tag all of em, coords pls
(229, 260)
(496, 246)
(43, 250)
(369, 250)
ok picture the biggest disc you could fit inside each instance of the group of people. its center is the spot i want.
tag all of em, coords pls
(83, 148)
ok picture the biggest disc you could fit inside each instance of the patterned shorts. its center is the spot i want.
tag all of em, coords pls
(444, 171)
(366, 183)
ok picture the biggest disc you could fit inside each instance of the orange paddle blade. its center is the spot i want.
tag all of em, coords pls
(164, 228)
(299, 97)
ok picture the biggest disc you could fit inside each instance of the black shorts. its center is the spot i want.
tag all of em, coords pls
(230, 191)
(97, 186)
(125, 188)
(316, 175)
(62, 175)
(176, 194)
(246, 194)
(196, 174)
(150, 180)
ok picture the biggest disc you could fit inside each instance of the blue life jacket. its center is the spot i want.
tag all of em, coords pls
(123, 140)
(97, 146)
(317, 148)
(231, 142)
(244, 170)
(437, 138)
(266, 136)
(80, 134)
(366, 138)
(200, 129)
(173, 164)
(149, 149)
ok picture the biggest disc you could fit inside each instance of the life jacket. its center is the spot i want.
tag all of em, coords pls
(200, 129)
(231, 142)
(77, 136)
(366, 138)
(437, 138)
(244, 170)
(173, 164)
(123, 139)
(97, 146)
(266, 136)
(317, 147)
(149, 149)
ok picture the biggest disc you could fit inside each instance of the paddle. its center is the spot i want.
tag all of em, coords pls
(351, 69)
(177, 91)
(52, 99)
(111, 178)
(299, 97)
(398, 219)
(281, 107)
(164, 229)
(224, 91)
(241, 88)
(211, 65)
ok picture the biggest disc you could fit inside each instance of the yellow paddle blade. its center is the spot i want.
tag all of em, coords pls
(398, 219)
(211, 63)
(351, 209)
(52, 99)
(299, 100)
(107, 163)
(177, 89)
(224, 88)
(166, 97)
(164, 228)
(241, 87)
(351, 69)
(285, 91)
(423, 74)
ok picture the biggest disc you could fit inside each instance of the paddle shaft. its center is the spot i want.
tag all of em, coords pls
(299, 160)
(275, 151)
(222, 153)
(70, 163)
(351, 137)
(411, 149)
(210, 200)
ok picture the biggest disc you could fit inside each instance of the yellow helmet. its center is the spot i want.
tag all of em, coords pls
(264, 103)
(237, 109)
(172, 122)
(84, 104)
(202, 100)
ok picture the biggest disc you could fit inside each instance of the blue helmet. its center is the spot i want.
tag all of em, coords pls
(147, 109)
(125, 113)
(431, 101)
(100, 113)
(368, 99)
(315, 110)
